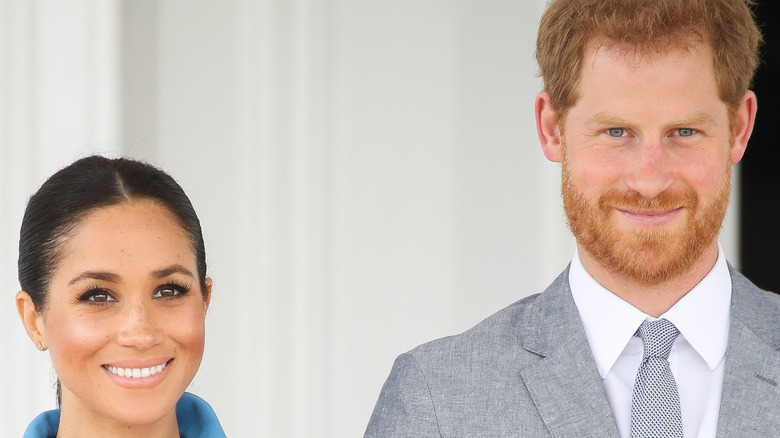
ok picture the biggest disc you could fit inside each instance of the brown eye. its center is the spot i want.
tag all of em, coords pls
(97, 296)
(171, 291)
(166, 293)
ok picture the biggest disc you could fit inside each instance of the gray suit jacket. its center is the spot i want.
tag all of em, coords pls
(528, 371)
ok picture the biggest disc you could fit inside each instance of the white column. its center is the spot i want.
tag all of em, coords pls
(59, 81)
(367, 175)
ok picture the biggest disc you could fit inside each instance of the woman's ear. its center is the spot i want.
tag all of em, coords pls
(548, 127)
(32, 320)
(207, 295)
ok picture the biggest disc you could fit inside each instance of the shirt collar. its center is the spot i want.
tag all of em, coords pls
(195, 417)
(702, 315)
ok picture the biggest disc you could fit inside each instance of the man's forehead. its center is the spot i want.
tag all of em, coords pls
(639, 53)
(620, 87)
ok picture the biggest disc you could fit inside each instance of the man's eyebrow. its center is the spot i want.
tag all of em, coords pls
(700, 118)
(95, 275)
(603, 118)
(173, 269)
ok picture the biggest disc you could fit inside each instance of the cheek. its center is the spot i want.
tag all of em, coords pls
(187, 329)
(74, 340)
(595, 176)
(706, 175)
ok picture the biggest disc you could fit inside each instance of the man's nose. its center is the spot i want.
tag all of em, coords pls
(650, 171)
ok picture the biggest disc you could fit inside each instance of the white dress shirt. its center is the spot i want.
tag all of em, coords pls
(696, 358)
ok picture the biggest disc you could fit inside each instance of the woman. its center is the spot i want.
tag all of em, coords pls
(112, 268)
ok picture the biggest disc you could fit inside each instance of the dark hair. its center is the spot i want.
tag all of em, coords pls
(90, 183)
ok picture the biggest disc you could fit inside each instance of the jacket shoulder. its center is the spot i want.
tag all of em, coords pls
(526, 329)
(499, 332)
(466, 382)
(758, 309)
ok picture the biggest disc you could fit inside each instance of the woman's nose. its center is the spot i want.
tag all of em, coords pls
(139, 327)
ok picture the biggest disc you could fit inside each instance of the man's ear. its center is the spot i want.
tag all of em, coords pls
(744, 119)
(548, 128)
(32, 320)
(207, 295)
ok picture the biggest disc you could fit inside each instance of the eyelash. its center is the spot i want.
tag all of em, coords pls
(94, 291)
(624, 132)
(181, 288)
(691, 131)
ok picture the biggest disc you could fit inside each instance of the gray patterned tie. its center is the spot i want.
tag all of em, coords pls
(655, 405)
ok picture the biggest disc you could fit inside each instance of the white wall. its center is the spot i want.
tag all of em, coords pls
(367, 175)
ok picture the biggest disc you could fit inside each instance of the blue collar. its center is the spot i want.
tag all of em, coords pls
(195, 417)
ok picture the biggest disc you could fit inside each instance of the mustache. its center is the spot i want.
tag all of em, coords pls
(635, 202)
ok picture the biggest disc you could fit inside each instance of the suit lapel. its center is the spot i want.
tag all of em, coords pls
(564, 383)
(568, 393)
(751, 395)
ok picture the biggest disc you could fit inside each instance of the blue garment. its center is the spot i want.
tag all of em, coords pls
(195, 417)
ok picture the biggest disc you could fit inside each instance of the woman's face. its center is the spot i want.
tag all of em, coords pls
(125, 315)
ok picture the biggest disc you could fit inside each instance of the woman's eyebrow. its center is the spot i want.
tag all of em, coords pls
(114, 278)
(173, 269)
(96, 275)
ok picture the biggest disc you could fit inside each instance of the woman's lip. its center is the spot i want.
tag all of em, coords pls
(139, 363)
(651, 217)
(138, 378)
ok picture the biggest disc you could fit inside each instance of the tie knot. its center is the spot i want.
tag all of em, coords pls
(658, 337)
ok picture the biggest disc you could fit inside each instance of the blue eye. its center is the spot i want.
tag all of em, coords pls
(685, 132)
(616, 132)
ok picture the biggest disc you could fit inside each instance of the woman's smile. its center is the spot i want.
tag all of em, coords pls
(138, 377)
(135, 373)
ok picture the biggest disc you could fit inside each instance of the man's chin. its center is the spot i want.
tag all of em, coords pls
(647, 256)
(650, 271)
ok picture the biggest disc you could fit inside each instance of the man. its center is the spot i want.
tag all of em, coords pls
(648, 332)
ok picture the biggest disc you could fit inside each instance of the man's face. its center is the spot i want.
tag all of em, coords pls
(646, 161)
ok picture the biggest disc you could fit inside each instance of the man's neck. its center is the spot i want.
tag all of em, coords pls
(654, 299)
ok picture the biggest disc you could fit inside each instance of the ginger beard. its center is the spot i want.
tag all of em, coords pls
(646, 256)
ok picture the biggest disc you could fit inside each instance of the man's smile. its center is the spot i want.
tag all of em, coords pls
(651, 217)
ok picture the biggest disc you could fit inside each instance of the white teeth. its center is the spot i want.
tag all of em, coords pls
(135, 373)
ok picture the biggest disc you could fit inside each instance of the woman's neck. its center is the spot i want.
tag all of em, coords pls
(75, 423)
